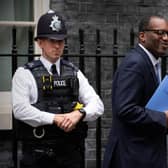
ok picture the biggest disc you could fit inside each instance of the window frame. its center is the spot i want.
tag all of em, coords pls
(39, 7)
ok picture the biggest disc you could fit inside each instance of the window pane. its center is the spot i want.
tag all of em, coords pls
(23, 10)
(7, 10)
(16, 10)
(5, 73)
(13, 10)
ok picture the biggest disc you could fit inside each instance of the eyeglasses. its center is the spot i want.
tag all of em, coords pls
(158, 32)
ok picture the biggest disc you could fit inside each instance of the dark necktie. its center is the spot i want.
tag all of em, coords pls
(157, 69)
(53, 69)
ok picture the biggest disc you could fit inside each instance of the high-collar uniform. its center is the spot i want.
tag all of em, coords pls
(138, 135)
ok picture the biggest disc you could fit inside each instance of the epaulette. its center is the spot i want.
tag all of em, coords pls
(33, 64)
(70, 64)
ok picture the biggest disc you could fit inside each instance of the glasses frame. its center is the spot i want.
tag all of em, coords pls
(159, 32)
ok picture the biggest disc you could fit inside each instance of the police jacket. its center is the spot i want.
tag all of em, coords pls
(56, 94)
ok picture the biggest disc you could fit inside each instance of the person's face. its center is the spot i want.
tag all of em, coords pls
(51, 49)
(155, 38)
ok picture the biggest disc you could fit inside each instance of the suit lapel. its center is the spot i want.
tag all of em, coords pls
(148, 63)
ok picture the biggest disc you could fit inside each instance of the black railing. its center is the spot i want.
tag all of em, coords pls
(82, 56)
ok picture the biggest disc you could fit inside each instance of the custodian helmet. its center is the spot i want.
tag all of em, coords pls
(52, 26)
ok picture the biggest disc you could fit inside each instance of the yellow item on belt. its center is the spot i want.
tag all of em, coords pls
(78, 106)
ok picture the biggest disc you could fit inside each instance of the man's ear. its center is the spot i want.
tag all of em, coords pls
(142, 37)
(39, 42)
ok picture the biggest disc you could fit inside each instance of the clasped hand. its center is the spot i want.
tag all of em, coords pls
(67, 121)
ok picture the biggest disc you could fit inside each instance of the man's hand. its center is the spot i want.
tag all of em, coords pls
(58, 119)
(67, 121)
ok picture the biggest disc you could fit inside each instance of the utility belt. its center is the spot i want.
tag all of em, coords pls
(49, 132)
(52, 148)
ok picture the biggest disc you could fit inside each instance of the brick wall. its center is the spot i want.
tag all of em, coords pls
(105, 15)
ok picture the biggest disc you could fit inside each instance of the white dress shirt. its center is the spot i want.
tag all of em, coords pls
(25, 92)
(154, 61)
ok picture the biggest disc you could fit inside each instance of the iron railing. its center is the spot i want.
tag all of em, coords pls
(98, 56)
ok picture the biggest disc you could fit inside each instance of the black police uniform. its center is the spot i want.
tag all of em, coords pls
(49, 146)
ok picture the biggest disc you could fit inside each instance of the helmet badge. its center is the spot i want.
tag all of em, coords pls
(55, 24)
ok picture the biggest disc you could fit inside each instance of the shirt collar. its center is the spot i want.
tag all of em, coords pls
(47, 64)
(150, 55)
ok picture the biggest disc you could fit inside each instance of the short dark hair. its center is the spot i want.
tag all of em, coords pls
(144, 23)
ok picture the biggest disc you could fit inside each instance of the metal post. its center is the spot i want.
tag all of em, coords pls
(14, 51)
(81, 65)
(66, 50)
(132, 38)
(98, 86)
(31, 35)
(30, 47)
(14, 66)
(82, 50)
(115, 52)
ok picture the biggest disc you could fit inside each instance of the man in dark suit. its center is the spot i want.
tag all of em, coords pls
(138, 135)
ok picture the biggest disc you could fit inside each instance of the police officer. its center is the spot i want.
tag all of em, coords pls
(52, 101)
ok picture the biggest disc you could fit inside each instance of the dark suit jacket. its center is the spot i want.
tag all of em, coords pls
(137, 137)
